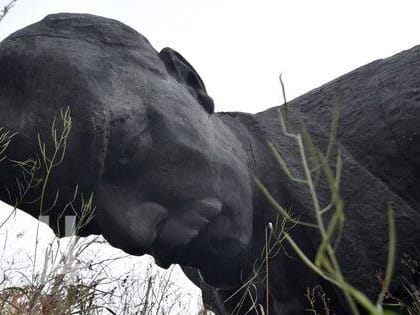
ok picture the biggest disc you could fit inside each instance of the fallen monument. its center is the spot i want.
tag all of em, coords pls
(172, 178)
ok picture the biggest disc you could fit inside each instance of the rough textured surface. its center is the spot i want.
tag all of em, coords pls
(173, 179)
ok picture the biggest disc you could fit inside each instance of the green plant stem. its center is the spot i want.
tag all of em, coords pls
(391, 255)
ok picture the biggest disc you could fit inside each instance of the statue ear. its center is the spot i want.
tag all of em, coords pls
(184, 73)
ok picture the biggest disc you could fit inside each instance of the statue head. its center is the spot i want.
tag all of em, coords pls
(168, 177)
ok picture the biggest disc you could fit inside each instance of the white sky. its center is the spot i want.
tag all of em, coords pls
(239, 47)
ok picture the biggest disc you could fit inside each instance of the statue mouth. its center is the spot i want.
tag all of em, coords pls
(181, 227)
(165, 230)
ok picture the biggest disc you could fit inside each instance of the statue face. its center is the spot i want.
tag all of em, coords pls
(169, 177)
(173, 171)
(175, 184)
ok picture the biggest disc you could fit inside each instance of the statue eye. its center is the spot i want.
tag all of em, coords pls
(136, 150)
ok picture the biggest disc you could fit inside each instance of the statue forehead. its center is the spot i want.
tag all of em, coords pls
(113, 52)
(105, 34)
(86, 26)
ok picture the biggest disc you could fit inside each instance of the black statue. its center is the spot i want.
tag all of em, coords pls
(174, 179)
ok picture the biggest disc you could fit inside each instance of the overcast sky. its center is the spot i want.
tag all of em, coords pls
(240, 47)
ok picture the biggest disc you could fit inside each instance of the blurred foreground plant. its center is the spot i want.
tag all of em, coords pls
(326, 264)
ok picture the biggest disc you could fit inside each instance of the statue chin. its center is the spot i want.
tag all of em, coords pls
(221, 271)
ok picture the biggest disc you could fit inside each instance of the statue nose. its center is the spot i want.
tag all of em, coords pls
(144, 221)
(133, 229)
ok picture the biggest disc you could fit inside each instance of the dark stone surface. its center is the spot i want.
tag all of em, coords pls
(175, 180)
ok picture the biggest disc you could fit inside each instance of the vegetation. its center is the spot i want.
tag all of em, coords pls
(6, 9)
